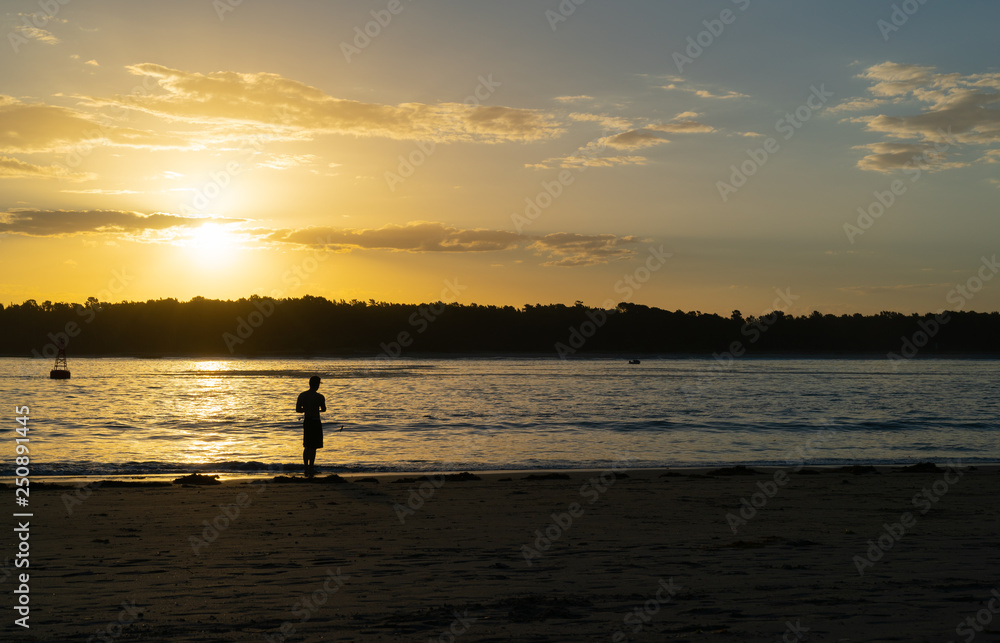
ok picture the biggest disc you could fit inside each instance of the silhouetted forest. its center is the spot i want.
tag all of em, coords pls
(261, 326)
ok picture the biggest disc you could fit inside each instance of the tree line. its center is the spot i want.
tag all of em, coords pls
(307, 326)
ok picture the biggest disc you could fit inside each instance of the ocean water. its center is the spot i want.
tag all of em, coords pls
(124, 416)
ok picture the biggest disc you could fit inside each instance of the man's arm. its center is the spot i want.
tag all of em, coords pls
(322, 404)
(299, 406)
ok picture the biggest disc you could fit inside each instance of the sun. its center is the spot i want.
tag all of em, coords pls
(212, 244)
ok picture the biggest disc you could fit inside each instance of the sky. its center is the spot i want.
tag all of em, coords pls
(714, 155)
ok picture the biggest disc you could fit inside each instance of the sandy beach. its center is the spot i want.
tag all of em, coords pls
(632, 555)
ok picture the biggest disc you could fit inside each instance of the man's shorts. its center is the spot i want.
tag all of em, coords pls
(312, 434)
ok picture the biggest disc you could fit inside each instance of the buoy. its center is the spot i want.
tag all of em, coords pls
(61, 370)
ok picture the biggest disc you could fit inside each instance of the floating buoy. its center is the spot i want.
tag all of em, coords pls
(61, 370)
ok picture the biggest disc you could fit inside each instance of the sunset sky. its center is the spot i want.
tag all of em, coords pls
(532, 151)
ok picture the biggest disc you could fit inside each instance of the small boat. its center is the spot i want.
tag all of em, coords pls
(634, 361)
(61, 370)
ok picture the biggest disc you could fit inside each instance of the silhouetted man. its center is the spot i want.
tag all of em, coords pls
(312, 403)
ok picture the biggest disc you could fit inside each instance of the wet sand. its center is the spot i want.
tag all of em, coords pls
(641, 555)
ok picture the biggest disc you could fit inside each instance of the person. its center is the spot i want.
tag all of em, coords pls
(312, 403)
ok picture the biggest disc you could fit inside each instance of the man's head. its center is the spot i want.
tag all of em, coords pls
(314, 382)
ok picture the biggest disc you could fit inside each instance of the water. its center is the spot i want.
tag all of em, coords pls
(133, 416)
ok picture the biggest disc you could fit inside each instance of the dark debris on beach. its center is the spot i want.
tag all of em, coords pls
(198, 479)
(465, 476)
(333, 478)
(738, 470)
(546, 476)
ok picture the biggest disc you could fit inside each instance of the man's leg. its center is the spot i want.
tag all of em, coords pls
(308, 459)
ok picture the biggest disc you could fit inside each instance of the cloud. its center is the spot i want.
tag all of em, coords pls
(571, 249)
(634, 139)
(606, 150)
(101, 191)
(950, 109)
(287, 161)
(686, 126)
(890, 157)
(239, 100)
(610, 123)
(681, 85)
(58, 223)
(13, 168)
(34, 33)
(856, 105)
(574, 99)
(31, 128)
(991, 156)
(577, 161)
(418, 236)
(561, 249)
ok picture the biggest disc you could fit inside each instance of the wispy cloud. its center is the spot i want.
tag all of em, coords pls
(570, 249)
(284, 106)
(951, 109)
(32, 128)
(57, 223)
(11, 168)
(34, 33)
(615, 150)
(559, 249)
(677, 84)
